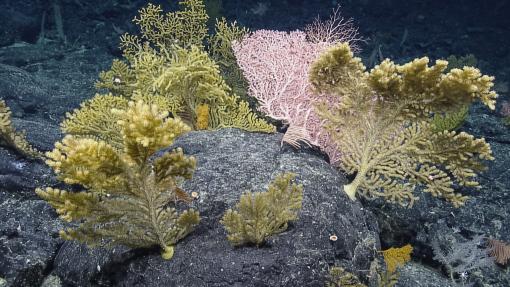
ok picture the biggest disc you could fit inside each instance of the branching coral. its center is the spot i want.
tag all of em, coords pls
(276, 66)
(129, 198)
(10, 137)
(186, 27)
(169, 59)
(220, 49)
(380, 121)
(184, 80)
(450, 121)
(262, 214)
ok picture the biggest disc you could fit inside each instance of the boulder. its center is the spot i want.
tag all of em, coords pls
(229, 162)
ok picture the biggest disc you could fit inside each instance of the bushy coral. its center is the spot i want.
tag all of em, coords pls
(396, 257)
(380, 121)
(186, 27)
(169, 59)
(184, 80)
(259, 215)
(129, 197)
(10, 137)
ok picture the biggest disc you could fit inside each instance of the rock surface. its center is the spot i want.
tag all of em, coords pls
(28, 240)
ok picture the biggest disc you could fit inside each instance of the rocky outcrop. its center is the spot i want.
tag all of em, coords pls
(230, 162)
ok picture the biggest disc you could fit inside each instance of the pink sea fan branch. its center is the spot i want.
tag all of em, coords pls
(276, 65)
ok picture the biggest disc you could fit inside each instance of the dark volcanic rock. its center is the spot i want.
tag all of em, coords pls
(20, 176)
(22, 92)
(28, 240)
(416, 275)
(229, 162)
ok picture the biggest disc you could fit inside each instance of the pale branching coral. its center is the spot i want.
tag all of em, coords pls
(10, 137)
(262, 214)
(336, 29)
(461, 257)
(129, 197)
(380, 121)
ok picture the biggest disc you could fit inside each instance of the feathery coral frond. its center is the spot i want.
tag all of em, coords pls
(129, 197)
(499, 250)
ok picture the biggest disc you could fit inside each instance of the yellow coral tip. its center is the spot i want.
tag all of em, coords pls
(168, 252)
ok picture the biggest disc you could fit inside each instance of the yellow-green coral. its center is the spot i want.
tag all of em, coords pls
(339, 277)
(186, 27)
(10, 137)
(129, 198)
(94, 119)
(169, 59)
(397, 257)
(186, 79)
(220, 49)
(262, 214)
(118, 80)
(380, 122)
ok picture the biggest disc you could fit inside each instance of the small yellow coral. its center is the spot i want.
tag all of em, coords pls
(397, 257)
(270, 211)
(202, 117)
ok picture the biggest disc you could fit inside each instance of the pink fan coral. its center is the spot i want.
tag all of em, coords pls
(276, 65)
